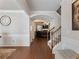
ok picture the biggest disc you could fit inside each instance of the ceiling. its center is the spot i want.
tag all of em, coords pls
(9, 5)
(33, 5)
(44, 5)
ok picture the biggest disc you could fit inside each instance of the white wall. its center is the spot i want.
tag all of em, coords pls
(18, 31)
(32, 30)
(67, 20)
(70, 38)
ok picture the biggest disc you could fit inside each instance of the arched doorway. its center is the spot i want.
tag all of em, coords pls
(40, 25)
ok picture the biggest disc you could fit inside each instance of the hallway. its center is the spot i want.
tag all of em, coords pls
(38, 50)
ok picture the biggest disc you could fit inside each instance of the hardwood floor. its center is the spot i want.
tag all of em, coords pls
(37, 50)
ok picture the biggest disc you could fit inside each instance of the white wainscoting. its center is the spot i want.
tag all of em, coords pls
(15, 40)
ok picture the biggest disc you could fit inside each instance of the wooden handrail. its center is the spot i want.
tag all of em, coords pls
(57, 29)
(51, 28)
(55, 36)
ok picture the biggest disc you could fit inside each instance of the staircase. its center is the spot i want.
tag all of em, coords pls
(67, 47)
(55, 37)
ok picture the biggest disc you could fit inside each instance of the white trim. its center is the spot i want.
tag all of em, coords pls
(43, 12)
(34, 13)
(12, 11)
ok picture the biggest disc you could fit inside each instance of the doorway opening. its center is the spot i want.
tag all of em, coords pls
(40, 26)
(39, 37)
